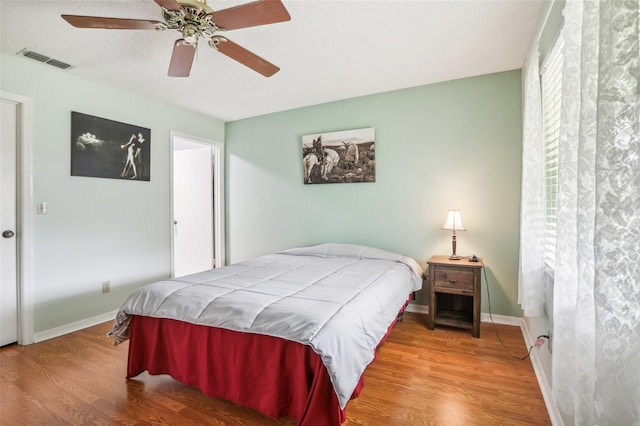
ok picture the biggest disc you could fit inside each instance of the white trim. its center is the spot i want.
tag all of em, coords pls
(172, 260)
(501, 319)
(484, 317)
(218, 199)
(545, 387)
(556, 49)
(419, 309)
(25, 216)
(542, 21)
(74, 326)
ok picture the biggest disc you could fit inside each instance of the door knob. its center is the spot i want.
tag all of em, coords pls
(8, 234)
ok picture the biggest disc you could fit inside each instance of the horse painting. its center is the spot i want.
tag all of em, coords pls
(308, 163)
(339, 157)
(330, 158)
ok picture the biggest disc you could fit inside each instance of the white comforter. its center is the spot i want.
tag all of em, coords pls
(339, 299)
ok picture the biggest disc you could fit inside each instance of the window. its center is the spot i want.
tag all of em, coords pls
(551, 81)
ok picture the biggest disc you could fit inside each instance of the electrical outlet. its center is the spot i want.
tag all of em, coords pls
(106, 286)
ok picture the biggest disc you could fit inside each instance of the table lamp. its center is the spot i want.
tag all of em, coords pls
(454, 223)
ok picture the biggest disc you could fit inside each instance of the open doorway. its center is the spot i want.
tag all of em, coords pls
(197, 204)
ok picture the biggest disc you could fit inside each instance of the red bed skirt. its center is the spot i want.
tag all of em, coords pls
(278, 377)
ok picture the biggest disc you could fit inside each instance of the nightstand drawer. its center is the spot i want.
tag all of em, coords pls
(456, 278)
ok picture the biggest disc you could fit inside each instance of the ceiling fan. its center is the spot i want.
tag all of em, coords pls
(195, 20)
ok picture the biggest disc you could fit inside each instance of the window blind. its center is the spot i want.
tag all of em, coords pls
(551, 80)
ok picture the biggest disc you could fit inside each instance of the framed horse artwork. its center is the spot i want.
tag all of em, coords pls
(339, 157)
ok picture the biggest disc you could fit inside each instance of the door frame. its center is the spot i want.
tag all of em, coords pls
(218, 196)
(24, 214)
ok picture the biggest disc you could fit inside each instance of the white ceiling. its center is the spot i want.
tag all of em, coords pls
(330, 50)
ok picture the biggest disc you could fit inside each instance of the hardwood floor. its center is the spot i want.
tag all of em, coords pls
(420, 377)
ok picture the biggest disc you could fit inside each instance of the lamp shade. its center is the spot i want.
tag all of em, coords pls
(454, 221)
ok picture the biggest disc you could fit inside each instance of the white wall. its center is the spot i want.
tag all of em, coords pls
(96, 229)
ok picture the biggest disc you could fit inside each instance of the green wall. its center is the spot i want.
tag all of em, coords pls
(96, 229)
(450, 145)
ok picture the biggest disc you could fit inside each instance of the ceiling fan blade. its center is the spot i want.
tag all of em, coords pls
(110, 23)
(168, 4)
(181, 59)
(259, 12)
(245, 57)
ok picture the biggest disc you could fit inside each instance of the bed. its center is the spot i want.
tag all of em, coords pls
(289, 334)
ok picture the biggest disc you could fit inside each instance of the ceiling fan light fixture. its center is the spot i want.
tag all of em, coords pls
(194, 20)
(190, 34)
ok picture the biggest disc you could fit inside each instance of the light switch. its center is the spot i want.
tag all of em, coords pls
(42, 207)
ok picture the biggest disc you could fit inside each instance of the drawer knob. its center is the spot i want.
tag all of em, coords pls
(453, 281)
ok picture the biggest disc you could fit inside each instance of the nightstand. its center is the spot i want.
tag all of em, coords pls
(454, 293)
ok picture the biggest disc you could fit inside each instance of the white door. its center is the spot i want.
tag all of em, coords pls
(192, 208)
(8, 239)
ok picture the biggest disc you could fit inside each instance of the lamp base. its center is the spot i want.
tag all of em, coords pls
(454, 256)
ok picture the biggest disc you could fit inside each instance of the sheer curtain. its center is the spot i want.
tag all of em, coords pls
(531, 293)
(596, 356)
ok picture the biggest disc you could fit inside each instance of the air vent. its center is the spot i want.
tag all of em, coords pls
(44, 59)
(58, 64)
(36, 56)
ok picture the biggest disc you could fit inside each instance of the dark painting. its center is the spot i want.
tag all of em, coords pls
(109, 149)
